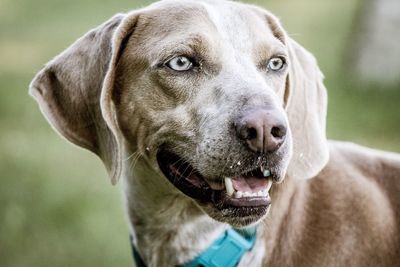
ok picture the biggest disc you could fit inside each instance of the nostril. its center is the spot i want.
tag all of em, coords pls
(246, 131)
(278, 132)
(251, 133)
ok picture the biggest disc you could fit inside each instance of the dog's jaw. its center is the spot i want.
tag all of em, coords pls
(239, 198)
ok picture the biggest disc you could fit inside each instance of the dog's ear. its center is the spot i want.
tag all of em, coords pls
(306, 108)
(74, 91)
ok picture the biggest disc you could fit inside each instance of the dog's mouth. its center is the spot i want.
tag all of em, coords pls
(246, 194)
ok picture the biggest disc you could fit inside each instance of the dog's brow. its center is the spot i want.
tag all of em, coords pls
(192, 45)
(265, 51)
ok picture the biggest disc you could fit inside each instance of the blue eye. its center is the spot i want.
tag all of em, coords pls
(180, 63)
(276, 63)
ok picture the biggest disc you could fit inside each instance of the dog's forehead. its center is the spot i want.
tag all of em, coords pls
(242, 26)
(237, 23)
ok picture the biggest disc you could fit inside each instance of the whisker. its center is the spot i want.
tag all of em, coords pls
(131, 155)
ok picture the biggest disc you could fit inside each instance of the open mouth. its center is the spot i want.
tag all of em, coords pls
(247, 191)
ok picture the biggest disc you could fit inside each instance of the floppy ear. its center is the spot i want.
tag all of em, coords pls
(74, 91)
(306, 108)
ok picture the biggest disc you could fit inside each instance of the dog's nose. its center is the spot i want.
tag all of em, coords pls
(264, 130)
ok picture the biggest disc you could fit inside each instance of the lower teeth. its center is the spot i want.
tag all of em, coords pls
(240, 194)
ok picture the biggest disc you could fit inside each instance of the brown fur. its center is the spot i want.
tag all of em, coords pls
(348, 215)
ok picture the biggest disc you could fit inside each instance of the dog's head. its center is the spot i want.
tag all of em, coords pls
(213, 95)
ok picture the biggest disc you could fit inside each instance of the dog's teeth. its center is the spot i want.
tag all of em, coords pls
(238, 194)
(229, 186)
(268, 186)
(264, 192)
(241, 194)
(266, 173)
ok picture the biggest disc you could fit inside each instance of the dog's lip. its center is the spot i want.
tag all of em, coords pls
(190, 182)
(183, 176)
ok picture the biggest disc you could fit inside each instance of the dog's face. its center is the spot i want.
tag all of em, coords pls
(209, 87)
(201, 91)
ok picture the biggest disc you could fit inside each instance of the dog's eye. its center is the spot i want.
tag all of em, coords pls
(276, 63)
(180, 63)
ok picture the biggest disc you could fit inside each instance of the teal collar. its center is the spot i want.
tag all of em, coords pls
(226, 251)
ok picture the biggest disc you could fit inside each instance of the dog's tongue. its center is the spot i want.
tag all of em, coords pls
(249, 184)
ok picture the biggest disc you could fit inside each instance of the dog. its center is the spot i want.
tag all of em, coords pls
(214, 120)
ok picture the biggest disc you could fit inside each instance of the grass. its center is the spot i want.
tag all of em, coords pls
(57, 207)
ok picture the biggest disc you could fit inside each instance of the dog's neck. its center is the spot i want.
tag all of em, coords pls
(169, 229)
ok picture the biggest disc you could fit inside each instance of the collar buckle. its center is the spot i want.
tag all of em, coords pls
(226, 251)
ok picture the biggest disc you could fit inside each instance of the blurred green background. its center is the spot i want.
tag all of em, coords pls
(57, 207)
